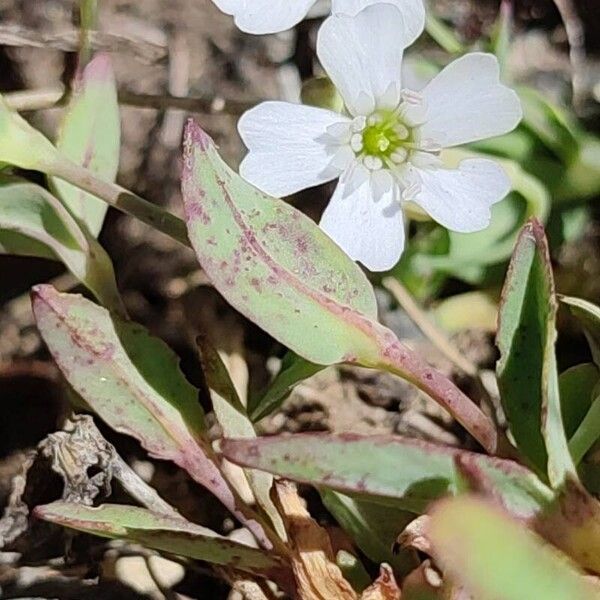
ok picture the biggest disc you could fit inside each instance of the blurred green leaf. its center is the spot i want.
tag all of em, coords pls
(477, 310)
(495, 558)
(551, 124)
(21, 145)
(373, 527)
(294, 369)
(588, 314)
(502, 33)
(443, 35)
(165, 533)
(35, 223)
(90, 135)
(527, 375)
(320, 91)
(407, 474)
(576, 387)
(133, 382)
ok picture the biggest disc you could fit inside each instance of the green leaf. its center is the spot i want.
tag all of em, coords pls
(35, 223)
(407, 473)
(373, 527)
(294, 369)
(233, 418)
(90, 135)
(551, 124)
(576, 394)
(527, 375)
(588, 431)
(133, 382)
(21, 145)
(165, 533)
(588, 315)
(496, 558)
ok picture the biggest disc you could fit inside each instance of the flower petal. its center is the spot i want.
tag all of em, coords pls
(466, 102)
(362, 55)
(265, 16)
(369, 231)
(413, 11)
(289, 147)
(460, 199)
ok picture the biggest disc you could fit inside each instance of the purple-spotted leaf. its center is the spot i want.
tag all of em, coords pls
(174, 535)
(527, 373)
(273, 263)
(408, 473)
(277, 267)
(494, 557)
(35, 223)
(133, 382)
(90, 135)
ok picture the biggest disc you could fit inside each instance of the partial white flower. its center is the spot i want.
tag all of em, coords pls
(272, 16)
(386, 150)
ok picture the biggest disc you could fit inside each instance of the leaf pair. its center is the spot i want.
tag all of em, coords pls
(32, 220)
(133, 382)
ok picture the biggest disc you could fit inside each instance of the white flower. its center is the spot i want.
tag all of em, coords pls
(272, 16)
(386, 150)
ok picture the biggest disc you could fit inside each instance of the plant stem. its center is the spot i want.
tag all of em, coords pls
(122, 199)
(399, 360)
(44, 98)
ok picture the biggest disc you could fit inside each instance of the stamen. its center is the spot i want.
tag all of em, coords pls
(358, 124)
(373, 163)
(356, 142)
(401, 131)
(399, 155)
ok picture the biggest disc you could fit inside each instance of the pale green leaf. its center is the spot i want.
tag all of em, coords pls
(161, 532)
(35, 223)
(90, 136)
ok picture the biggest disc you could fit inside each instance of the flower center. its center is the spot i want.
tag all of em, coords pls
(382, 139)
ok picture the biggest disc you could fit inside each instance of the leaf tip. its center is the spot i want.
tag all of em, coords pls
(99, 69)
(195, 137)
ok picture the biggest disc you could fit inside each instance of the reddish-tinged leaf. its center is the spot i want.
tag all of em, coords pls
(165, 533)
(132, 380)
(407, 472)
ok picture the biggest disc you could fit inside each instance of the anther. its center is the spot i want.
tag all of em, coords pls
(401, 131)
(399, 155)
(373, 163)
(356, 142)
(358, 124)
